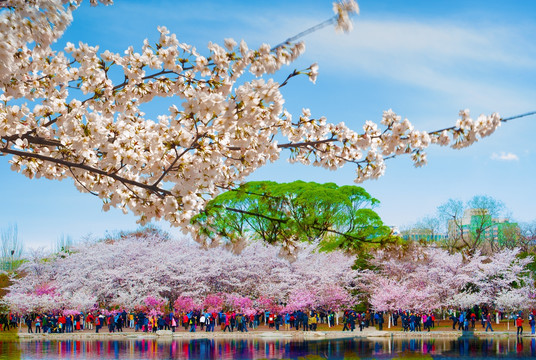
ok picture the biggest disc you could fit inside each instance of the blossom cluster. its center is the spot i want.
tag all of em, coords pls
(77, 114)
(344, 9)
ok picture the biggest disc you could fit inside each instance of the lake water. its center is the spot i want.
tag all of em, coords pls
(388, 348)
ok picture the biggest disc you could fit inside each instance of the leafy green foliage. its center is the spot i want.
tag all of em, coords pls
(335, 217)
(531, 267)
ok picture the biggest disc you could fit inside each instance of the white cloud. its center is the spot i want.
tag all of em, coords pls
(466, 64)
(504, 156)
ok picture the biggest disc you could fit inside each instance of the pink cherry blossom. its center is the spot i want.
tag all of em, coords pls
(429, 278)
(152, 271)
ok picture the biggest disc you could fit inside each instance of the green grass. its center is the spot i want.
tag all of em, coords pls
(10, 335)
(9, 345)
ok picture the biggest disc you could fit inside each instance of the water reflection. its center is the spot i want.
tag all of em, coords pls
(385, 348)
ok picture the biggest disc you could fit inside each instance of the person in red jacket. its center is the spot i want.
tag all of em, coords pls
(61, 322)
(89, 320)
(519, 324)
(473, 320)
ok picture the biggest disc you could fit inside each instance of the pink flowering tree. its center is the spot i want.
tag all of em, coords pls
(63, 115)
(68, 312)
(330, 297)
(35, 296)
(301, 299)
(185, 304)
(263, 303)
(30, 302)
(428, 278)
(334, 298)
(419, 279)
(154, 305)
(242, 304)
(501, 276)
(213, 302)
(387, 294)
(82, 300)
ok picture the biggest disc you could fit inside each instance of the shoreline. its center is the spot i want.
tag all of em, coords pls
(167, 335)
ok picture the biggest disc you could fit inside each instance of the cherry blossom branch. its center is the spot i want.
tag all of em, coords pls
(502, 120)
(81, 183)
(226, 126)
(304, 33)
(177, 158)
(70, 164)
(518, 116)
(342, 9)
(161, 192)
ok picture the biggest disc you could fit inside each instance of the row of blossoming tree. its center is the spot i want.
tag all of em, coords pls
(428, 278)
(151, 271)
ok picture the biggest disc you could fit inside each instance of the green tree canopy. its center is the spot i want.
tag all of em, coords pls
(335, 217)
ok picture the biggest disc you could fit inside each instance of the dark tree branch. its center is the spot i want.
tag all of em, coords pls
(153, 189)
(245, 212)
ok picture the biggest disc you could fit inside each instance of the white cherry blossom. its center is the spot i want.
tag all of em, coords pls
(220, 129)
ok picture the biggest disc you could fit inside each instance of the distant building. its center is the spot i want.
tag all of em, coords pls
(495, 229)
(421, 235)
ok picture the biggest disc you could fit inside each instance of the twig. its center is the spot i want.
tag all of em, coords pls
(306, 32)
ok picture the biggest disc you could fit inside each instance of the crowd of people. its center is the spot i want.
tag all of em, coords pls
(9, 321)
(363, 320)
(415, 321)
(151, 322)
(467, 319)
(232, 321)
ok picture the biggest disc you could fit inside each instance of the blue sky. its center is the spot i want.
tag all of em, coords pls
(424, 59)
